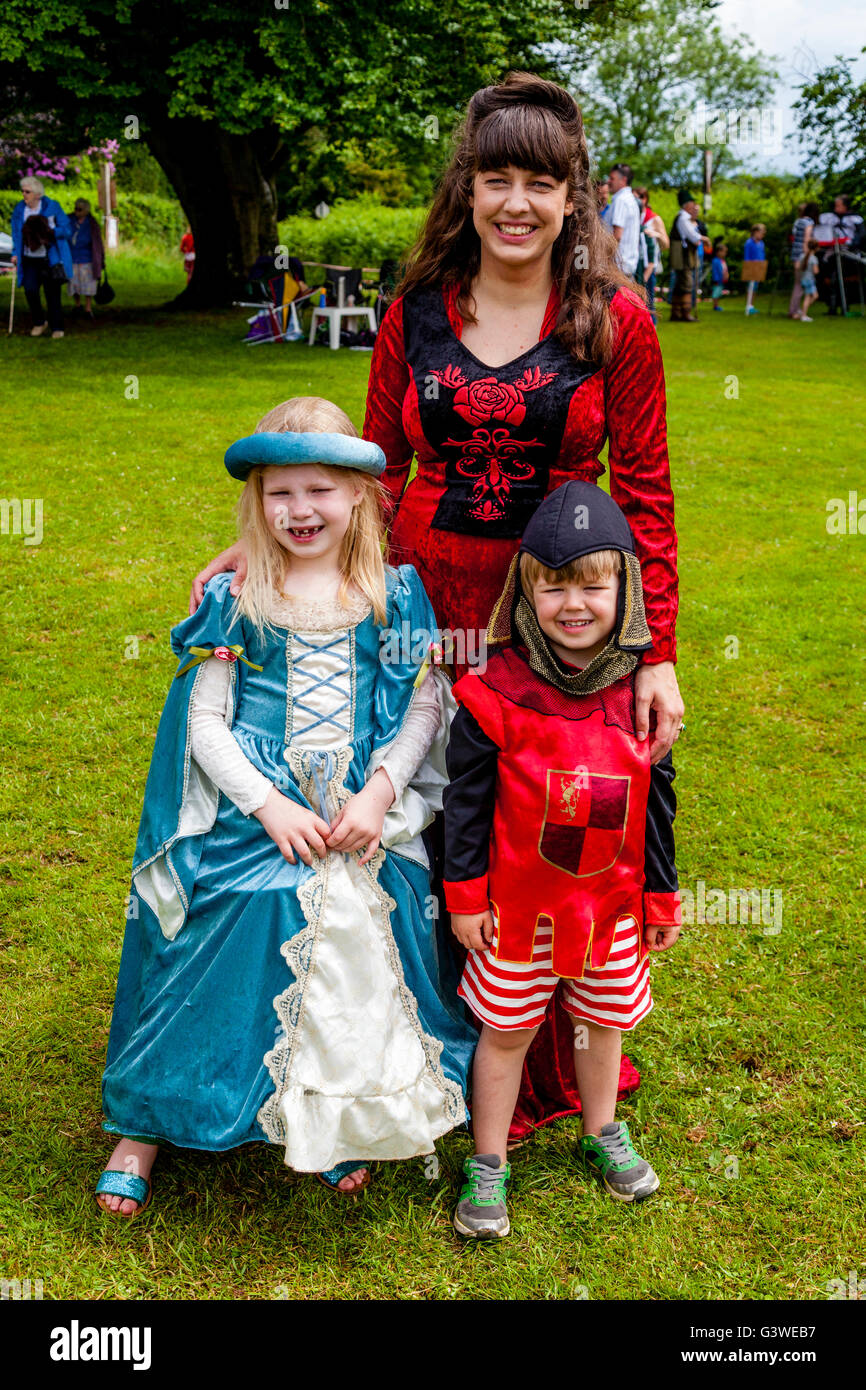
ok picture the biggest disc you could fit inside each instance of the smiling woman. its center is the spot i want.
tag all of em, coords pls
(514, 349)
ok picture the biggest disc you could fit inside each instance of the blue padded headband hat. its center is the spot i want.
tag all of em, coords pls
(276, 450)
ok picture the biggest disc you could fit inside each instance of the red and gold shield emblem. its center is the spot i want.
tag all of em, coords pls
(584, 821)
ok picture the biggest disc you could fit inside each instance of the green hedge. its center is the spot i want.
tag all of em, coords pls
(360, 232)
(141, 216)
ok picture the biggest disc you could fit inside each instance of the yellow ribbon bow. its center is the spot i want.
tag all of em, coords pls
(434, 656)
(200, 654)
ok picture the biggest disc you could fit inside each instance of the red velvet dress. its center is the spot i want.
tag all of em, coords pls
(491, 442)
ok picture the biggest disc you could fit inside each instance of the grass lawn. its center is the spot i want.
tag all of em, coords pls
(750, 1107)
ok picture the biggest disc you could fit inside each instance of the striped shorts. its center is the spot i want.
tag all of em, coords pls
(509, 994)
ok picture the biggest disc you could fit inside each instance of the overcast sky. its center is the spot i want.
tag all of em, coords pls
(803, 35)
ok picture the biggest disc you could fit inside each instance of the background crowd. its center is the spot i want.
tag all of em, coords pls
(680, 264)
(694, 259)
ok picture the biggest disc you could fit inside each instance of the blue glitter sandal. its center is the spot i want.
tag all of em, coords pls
(332, 1176)
(117, 1184)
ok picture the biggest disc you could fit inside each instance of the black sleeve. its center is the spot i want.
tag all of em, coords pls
(468, 799)
(660, 861)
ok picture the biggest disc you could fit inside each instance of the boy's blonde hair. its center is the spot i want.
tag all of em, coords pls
(361, 560)
(758, 227)
(586, 569)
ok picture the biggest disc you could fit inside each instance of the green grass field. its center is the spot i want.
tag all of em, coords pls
(751, 1106)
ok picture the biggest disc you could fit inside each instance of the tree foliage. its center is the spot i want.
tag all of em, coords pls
(228, 94)
(650, 77)
(831, 121)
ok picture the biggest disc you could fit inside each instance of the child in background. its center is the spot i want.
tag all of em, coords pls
(280, 979)
(719, 273)
(559, 849)
(808, 284)
(754, 250)
(187, 246)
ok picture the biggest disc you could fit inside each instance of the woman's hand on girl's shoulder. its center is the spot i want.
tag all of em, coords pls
(293, 827)
(234, 559)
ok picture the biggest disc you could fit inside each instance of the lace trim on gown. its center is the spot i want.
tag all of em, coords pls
(319, 615)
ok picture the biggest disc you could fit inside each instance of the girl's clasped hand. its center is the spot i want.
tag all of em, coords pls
(358, 823)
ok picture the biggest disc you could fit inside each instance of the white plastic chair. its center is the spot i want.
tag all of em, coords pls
(339, 311)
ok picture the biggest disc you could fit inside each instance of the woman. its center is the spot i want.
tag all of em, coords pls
(513, 350)
(657, 238)
(686, 241)
(41, 254)
(88, 255)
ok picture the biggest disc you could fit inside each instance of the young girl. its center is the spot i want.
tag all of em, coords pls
(280, 979)
(808, 268)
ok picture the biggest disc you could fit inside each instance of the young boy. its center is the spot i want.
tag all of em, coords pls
(719, 273)
(559, 853)
(754, 250)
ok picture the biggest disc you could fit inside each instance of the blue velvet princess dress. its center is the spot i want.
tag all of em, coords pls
(265, 1000)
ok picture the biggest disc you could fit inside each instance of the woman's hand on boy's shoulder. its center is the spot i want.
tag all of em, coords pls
(656, 688)
(474, 930)
(233, 559)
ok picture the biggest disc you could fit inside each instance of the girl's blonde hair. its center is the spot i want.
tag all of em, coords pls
(361, 560)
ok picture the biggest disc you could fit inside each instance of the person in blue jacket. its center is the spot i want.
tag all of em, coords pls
(37, 253)
(754, 250)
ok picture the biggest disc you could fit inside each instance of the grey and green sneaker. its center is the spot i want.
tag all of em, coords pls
(481, 1212)
(611, 1157)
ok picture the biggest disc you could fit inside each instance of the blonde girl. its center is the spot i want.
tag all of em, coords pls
(280, 980)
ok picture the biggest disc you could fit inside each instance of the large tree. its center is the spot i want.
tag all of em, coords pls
(223, 92)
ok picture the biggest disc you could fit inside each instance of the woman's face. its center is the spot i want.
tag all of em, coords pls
(518, 214)
(308, 508)
(31, 199)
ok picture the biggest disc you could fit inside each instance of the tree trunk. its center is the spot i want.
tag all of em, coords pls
(225, 185)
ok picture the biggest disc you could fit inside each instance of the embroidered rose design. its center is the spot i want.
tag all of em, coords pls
(489, 399)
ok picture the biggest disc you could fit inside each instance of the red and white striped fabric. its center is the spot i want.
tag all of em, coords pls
(508, 994)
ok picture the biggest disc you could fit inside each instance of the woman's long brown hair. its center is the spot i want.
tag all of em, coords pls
(534, 125)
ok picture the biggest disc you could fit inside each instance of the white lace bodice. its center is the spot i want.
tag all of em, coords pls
(322, 705)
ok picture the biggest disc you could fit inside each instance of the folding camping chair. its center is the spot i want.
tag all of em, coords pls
(276, 301)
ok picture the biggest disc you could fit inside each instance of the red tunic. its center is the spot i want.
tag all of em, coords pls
(572, 774)
(492, 439)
